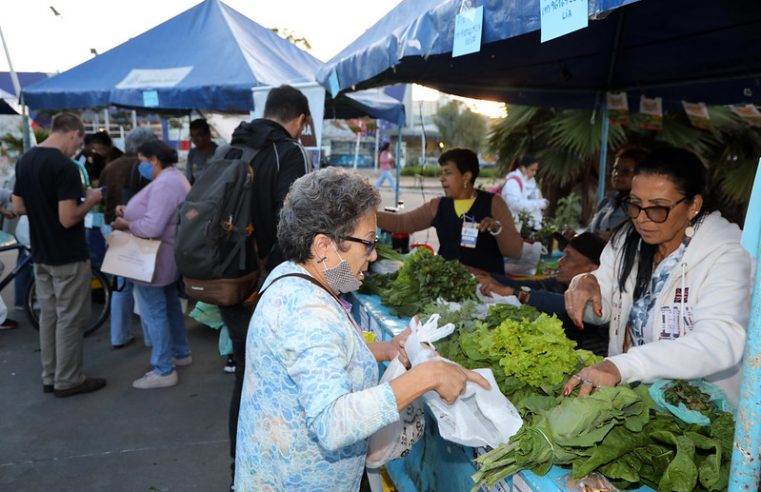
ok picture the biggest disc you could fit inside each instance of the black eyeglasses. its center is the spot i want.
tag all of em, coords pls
(370, 244)
(657, 213)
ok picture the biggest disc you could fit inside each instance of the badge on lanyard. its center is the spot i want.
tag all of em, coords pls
(469, 233)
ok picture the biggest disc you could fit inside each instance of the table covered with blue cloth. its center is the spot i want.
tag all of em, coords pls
(434, 464)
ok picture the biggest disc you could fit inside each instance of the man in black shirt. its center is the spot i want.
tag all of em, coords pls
(50, 190)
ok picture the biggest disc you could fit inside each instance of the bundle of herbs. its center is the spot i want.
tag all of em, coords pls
(424, 278)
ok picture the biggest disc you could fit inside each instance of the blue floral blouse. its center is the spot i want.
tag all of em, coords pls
(310, 393)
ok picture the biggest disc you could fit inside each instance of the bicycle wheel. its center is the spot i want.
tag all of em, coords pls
(100, 303)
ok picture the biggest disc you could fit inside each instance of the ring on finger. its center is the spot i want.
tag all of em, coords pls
(576, 377)
(587, 381)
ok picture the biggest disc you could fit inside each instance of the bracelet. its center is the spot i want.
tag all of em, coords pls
(496, 233)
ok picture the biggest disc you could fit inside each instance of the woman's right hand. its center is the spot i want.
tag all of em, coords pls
(119, 210)
(450, 379)
(582, 289)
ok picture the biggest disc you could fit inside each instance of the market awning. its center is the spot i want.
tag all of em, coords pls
(695, 50)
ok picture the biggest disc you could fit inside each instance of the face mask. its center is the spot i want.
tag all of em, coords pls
(146, 170)
(340, 278)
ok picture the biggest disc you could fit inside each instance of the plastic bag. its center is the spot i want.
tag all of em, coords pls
(386, 266)
(658, 392)
(396, 439)
(478, 417)
(526, 264)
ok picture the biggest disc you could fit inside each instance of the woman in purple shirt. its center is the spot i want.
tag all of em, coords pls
(151, 214)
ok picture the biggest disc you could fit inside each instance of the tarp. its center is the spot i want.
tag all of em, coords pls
(208, 58)
(695, 50)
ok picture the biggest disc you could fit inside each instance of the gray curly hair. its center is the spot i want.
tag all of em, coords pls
(137, 137)
(329, 201)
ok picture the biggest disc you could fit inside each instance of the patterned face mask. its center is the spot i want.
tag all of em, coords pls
(340, 278)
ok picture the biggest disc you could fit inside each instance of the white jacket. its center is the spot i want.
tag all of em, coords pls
(715, 272)
(522, 193)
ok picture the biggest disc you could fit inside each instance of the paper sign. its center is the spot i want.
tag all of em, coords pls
(560, 17)
(150, 99)
(749, 113)
(143, 78)
(698, 115)
(333, 81)
(752, 227)
(652, 110)
(618, 108)
(467, 31)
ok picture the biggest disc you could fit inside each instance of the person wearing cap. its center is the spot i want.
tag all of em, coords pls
(581, 254)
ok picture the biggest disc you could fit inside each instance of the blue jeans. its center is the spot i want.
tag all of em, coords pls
(386, 175)
(122, 307)
(96, 246)
(161, 312)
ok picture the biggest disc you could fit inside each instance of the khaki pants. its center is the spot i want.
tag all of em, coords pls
(63, 292)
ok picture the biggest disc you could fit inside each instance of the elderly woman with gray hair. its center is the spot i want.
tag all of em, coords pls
(311, 397)
(121, 180)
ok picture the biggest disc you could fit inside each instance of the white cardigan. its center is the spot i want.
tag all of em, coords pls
(708, 341)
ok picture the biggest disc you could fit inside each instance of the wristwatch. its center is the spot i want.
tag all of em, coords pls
(523, 294)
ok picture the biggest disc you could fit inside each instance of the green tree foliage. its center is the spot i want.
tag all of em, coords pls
(460, 127)
(567, 144)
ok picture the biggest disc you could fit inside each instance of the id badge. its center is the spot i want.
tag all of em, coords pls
(469, 234)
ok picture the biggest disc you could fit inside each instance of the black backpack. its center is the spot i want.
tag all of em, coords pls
(215, 249)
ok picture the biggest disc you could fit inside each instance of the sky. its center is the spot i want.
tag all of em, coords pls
(40, 41)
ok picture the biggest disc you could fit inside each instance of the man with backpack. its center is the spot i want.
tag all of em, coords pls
(270, 145)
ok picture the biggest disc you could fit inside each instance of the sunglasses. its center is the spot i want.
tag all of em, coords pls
(370, 244)
(657, 213)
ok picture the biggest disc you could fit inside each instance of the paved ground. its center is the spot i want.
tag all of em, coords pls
(119, 438)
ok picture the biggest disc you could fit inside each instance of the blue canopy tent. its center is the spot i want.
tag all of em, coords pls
(208, 57)
(694, 50)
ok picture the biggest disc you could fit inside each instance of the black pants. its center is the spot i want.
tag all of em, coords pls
(236, 318)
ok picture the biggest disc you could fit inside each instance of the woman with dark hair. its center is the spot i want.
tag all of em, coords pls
(473, 226)
(611, 211)
(520, 191)
(151, 214)
(674, 284)
(311, 397)
(386, 164)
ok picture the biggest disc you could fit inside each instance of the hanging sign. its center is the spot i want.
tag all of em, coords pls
(468, 26)
(752, 227)
(333, 82)
(652, 110)
(150, 99)
(618, 108)
(560, 17)
(749, 113)
(698, 115)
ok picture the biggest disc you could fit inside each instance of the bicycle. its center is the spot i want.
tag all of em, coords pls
(100, 291)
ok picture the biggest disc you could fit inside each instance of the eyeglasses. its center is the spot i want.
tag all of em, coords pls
(657, 213)
(370, 244)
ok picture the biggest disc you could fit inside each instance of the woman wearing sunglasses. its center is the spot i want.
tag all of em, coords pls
(311, 396)
(674, 284)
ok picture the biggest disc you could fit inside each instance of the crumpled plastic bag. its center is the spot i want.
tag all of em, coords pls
(526, 264)
(495, 298)
(658, 393)
(478, 417)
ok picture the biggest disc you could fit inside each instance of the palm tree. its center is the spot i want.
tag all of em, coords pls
(567, 144)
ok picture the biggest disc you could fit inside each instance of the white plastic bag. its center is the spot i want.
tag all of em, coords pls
(478, 417)
(526, 264)
(396, 439)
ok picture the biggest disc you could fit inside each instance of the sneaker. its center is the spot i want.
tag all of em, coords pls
(87, 386)
(153, 380)
(230, 365)
(182, 361)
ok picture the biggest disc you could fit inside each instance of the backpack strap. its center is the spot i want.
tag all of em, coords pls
(310, 279)
(517, 180)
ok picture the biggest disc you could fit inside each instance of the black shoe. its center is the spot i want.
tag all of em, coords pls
(8, 324)
(47, 388)
(88, 385)
(122, 345)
